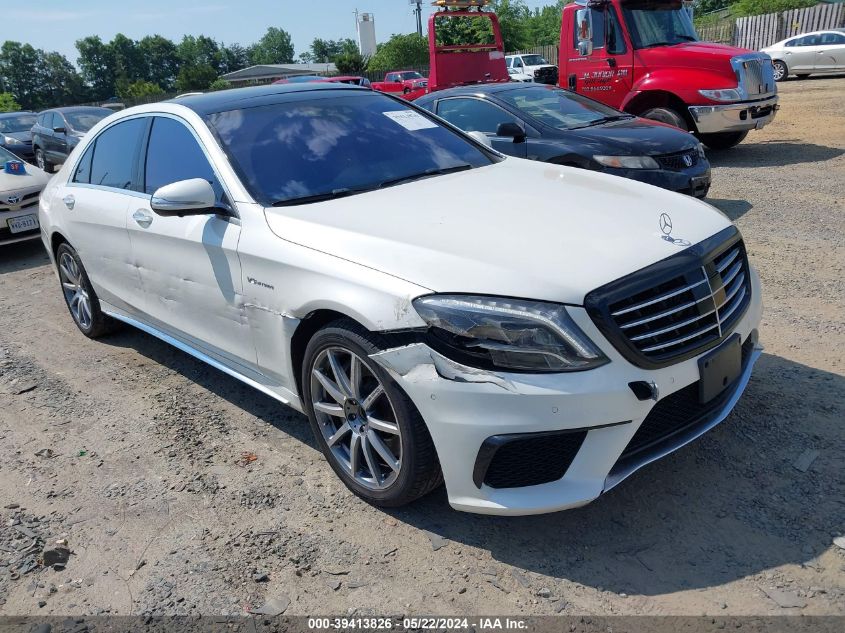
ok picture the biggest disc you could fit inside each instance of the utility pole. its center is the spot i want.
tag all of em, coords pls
(418, 12)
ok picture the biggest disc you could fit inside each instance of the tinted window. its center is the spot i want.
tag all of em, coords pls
(808, 40)
(657, 23)
(173, 154)
(832, 38)
(82, 121)
(17, 123)
(83, 169)
(336, 142)
(473, 115)
(114, 155)
(557, 108)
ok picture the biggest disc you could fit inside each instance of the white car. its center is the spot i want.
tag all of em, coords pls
(20, 188)
(534, 65)
(361, 261)
(819, 52)
(516, 75)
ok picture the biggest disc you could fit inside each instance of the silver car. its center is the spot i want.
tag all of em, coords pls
(819, 52)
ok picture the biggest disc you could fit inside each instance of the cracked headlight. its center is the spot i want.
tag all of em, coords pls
(628, 162)
(509, 334)
(724, 94)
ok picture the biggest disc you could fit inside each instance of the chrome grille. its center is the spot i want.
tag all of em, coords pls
(756, 75)
(678, 160)
(698, 306)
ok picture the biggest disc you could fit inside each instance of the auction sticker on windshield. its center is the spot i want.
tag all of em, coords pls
(410, 120)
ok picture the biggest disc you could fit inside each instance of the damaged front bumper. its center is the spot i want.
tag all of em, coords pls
(575, 426)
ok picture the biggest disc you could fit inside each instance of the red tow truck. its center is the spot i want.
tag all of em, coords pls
(457, 55)
(644, 57)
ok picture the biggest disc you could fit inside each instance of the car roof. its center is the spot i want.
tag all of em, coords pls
(236, 98)
(72, 109)
(6, 115)
(481, 90)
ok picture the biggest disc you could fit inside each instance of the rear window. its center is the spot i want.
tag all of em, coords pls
(330, 143)
(17, 123)
(84, 121)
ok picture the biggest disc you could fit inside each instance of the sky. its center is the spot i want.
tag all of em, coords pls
(55, 25)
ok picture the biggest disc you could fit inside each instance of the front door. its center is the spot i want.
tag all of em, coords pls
(190, 274)
(471, 114)
(607, 73)
(830, 54)
(800, 55)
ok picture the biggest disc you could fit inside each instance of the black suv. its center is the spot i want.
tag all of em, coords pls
(56, 132)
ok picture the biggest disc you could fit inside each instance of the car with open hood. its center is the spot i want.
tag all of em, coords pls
(353, 257)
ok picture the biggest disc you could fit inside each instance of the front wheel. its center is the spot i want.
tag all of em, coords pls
(781, 72)
(666, 115)
(370, 432)
(722, 140)
(42, 162)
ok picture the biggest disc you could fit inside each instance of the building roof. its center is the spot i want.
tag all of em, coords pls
(270, 71)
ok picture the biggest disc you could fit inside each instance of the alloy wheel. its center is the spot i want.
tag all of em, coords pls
(779, 70)
(356, 417)
(39, 159)
(76, 296)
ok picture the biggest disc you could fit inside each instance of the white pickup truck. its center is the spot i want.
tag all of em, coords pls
(534, 65)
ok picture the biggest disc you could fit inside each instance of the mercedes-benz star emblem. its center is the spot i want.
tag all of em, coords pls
(13, 199)
(665, 224)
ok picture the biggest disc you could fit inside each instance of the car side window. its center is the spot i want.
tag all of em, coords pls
(173, 154)
(809, 40)
(473, 115)
(832, 38)
(115, 154)
(614, 38)
(83, 169)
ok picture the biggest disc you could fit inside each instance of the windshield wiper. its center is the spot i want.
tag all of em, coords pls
(608, 119)
(317, 197)
(426, 174)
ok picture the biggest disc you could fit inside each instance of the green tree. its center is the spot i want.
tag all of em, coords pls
(199, 51)
(96, 62)
(233, 57)
(351, 63)
(141, 89)
(161, 61)
(20, 68)
(61, 84)
(275, 47)
(220, 84)
(513, 19)
(8, 103)
(760, 7)
(544, 25)
(400, 51)
(456, 30)
(195, 77)
(324, 51)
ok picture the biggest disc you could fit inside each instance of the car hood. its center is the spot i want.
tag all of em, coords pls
(34, 180)
(702, 55)
(24, 136)
(557, 235)
(629, 137)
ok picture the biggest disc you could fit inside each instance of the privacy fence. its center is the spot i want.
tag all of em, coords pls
(758, 31)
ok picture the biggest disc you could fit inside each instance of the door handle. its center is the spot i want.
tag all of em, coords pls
(69, 201)
(143, 218)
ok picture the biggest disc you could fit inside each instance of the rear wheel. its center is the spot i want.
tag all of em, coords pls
(370, 432)
(81, 300)
(781, 72)
(722, 140)
(666, 115)
(42, 162)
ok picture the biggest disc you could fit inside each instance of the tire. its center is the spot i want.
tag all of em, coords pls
(42, 162)
(666, 115)
(781, 72)
(406, 90)
(80, 298)
(337, 420)
(722, 140)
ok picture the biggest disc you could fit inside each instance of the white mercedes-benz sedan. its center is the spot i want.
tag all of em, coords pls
(362, 261)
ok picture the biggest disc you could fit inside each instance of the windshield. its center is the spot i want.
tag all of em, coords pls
(658, 23)
(84, 121)
(557, 108)
(5, 156)
(412, 75)
(534, 60)
(19, 123)
(331, 145)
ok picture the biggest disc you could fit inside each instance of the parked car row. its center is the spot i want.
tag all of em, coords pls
(819, 52)
(529, 333)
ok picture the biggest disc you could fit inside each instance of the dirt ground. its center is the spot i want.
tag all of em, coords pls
(134, 453)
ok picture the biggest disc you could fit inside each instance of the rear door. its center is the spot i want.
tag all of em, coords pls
(189, 268)
(97, 197)
(48, 138)
(801, 54)
(471, 114)
(830, 56)
(60, 138)
(607, 73)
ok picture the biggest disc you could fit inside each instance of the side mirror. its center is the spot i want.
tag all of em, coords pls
(584, 22)
(511, 129)
(60, 130)
(186, 197)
